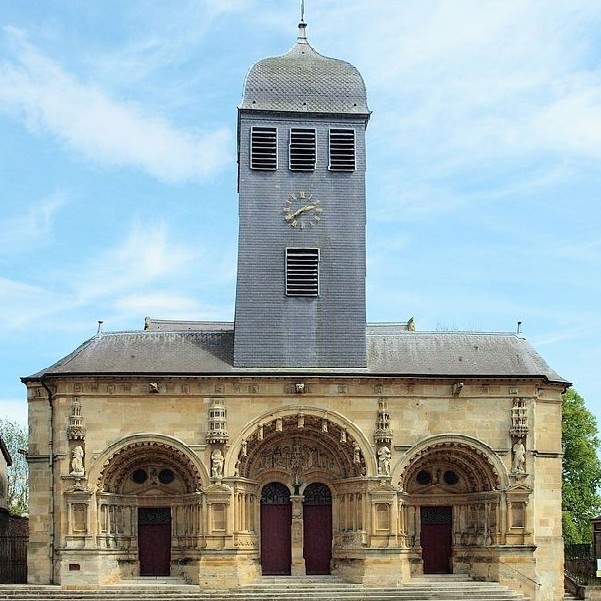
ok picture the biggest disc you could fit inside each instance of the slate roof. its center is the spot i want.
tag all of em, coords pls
(302, 80)
(198, 348)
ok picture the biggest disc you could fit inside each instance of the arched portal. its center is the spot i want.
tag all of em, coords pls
(320, 459)
(451, 500)
(149, 502)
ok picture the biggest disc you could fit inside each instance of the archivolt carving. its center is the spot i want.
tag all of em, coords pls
(125, 460)
(472, 466)
(300, 443)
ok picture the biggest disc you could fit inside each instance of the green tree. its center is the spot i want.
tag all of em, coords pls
(14, 436)
(581, 469)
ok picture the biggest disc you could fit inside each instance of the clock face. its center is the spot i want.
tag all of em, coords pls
(302, 210)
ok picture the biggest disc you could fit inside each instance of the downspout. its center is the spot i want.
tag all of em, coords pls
(51, 508)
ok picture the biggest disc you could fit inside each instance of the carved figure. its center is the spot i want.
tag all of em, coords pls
(217, 461)
(77, 468)
(356, 452)
(519, 457)
(384, 461)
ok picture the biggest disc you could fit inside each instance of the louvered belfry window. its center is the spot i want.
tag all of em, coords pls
(302, 149)
(302, 271)
(264, 148)
(342, 150)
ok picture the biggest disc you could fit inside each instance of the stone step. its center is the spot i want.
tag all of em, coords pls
(273, 588)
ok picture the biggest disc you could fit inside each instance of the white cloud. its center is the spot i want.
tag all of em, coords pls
(22, 303)
(89, 122)
(464, 82)
(31, 227)
(572, 123)
(146, 255)
(169, 305)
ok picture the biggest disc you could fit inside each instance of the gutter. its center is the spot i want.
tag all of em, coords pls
(299, 372)
(52, 479)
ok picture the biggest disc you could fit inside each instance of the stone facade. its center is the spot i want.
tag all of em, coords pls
(445, 450)
(299, 439)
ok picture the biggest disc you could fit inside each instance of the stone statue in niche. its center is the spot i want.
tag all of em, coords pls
(77, 467)
(356, 452)
(217, 461)
(384, 461)
(518, 465)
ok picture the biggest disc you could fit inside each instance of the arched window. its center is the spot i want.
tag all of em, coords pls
(275, 493)
(317, 494)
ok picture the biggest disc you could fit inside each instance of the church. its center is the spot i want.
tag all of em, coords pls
(299, 439)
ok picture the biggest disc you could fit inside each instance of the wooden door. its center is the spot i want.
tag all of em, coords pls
(276, 520)
(436, 539)
(154, 541)
(317, 521)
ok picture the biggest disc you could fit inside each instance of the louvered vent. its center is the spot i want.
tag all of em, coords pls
(342, 149)
(264, 148)
(302, 271)
(302, 149)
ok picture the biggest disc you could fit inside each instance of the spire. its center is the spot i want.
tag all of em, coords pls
(302, 26)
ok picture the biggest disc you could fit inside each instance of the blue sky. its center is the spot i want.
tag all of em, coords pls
(117, 164)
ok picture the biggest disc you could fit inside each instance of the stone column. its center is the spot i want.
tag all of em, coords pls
(298, 561)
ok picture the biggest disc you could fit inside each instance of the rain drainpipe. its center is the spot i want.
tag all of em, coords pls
(51, 508)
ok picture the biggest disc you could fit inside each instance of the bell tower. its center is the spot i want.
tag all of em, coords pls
(300, 294)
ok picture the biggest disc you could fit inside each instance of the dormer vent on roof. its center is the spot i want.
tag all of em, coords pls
(302, 80)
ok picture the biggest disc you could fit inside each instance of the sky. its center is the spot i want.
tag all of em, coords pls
(118, 166)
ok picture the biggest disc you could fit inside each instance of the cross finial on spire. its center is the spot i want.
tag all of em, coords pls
(302, 26)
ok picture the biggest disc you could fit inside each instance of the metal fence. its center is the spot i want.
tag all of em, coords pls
(581, 565)
(13, 559)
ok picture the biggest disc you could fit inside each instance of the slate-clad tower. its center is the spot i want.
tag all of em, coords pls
(300, 297)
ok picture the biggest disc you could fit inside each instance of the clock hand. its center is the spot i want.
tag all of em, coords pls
(296, 213)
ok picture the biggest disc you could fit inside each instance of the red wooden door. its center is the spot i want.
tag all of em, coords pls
(317, 521)
(317, 548)
(436, 539)
(276, 520)
(154, 541)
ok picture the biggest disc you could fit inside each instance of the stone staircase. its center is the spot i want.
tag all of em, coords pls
(322, 588)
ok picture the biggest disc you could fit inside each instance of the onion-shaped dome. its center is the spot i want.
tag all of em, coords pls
(302, 80)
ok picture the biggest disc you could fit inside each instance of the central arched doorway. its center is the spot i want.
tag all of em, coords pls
(276, 517)
(299, 457)
(317, 521)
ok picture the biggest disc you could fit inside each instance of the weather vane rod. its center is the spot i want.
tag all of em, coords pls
(302, 10)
